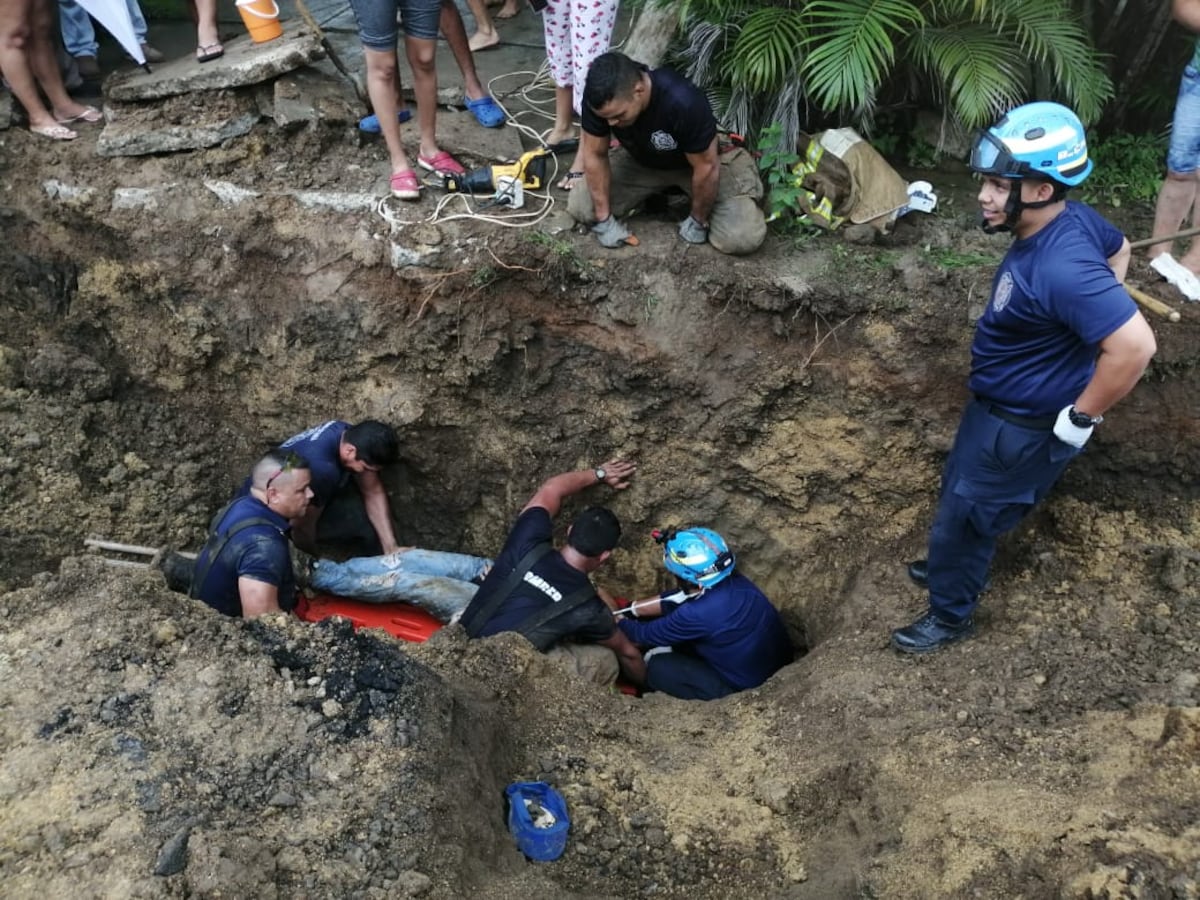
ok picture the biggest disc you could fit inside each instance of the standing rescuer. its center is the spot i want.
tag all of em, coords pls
(1059, 343)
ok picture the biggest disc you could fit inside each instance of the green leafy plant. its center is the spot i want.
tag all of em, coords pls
(775, 163)
(1128, 168)
(765, 61)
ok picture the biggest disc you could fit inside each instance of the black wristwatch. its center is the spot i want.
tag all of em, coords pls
(1083, 420)
(600, 473)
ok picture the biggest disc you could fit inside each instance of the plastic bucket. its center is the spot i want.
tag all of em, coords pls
(261, 18)
(539, 844)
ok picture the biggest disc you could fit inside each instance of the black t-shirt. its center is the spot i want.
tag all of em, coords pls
(549, 581)
(677, 121)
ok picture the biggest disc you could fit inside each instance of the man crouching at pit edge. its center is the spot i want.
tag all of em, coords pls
(546, 596)
(245, 568)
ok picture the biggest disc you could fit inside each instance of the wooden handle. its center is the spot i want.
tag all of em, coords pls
(1153, 304)
(1164, 239)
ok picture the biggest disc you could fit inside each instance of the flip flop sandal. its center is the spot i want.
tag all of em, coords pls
(90, 115)
(486, 111)
(209, 52)
(568, 182)
(405, 185)
(370, 124)
(54, 132)
(570, 145)
(442, 163)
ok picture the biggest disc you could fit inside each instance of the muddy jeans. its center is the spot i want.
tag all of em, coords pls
(735, 225)
(440, 583)
(589, 661)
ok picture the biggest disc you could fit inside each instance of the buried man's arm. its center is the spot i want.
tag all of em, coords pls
(258, 598)
(379, 512)
(629, 658)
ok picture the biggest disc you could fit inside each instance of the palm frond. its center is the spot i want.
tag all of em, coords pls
(977, 68)
(767, 48)
(1051, 36)
(850, 47)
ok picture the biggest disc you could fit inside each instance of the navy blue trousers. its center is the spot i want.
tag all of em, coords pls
(685, 676)
(996, 473)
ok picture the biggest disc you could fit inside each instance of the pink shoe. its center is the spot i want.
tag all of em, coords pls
(405, 185)
(442, 163)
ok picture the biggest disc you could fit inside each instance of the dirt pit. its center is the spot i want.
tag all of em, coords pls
(159, 330)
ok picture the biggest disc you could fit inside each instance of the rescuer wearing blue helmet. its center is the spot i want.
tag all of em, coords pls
(1059, 343)
(717, 634)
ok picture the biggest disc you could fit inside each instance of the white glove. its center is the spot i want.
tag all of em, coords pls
(670, 599)
(1070, 433)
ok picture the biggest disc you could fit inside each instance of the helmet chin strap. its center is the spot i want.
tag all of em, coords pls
(1012, 211)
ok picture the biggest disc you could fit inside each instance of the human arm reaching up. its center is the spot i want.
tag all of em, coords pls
(616, 474)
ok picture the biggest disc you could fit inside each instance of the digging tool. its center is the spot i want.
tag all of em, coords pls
(1187, 232)
(332, 54)
(1153, 304)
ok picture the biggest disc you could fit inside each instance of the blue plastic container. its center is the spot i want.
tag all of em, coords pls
(539, 844)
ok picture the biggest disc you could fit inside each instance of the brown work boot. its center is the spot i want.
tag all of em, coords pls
(88, 67)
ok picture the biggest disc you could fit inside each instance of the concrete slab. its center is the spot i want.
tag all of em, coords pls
(244, 63)
(309, 95)
(188, 122)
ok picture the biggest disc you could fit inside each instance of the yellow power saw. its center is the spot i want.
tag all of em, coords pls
(528, 171)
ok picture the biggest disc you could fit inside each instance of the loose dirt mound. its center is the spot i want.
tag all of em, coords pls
(801, 401)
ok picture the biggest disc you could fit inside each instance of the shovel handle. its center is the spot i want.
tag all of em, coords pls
(1153, 304)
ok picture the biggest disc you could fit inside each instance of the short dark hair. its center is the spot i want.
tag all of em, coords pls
(611, 75)
(374, 442)
(275, 463)
(595, 531)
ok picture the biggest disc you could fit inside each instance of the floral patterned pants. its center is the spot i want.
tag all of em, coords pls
(577, 31)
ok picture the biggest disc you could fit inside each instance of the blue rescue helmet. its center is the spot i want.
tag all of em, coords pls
(699, 556)
(1041, 138)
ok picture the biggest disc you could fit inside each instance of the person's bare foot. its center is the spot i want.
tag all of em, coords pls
(481, 40)
(508, 10)
(556, 137)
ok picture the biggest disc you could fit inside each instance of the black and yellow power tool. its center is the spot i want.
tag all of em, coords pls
(529, 170)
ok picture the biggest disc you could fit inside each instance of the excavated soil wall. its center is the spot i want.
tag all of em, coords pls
(800, 401)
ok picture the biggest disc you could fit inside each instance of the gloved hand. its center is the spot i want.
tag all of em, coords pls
(611, 233)
(1070, 433)
(692, 231)
(668, 600)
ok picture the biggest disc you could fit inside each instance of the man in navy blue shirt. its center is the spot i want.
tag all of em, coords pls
(338, 452)
(668, 139)
(245, 568)
(1059, 343)
(718, 634)
(546, 595)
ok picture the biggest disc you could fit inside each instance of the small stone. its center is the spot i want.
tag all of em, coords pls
(412, 883)
(165, 633)
(282, 799)
(331, 708)
(172, 857)
(1039, 679)
(962, 715)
